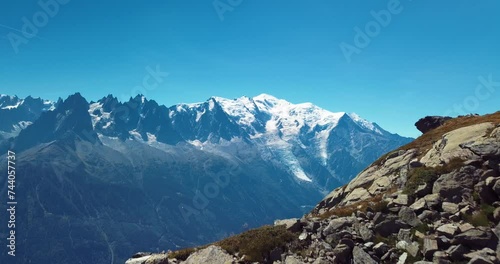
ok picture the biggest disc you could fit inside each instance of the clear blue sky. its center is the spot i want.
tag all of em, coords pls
(425, 60)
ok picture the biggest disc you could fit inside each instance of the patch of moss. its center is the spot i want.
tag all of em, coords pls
(256, 244)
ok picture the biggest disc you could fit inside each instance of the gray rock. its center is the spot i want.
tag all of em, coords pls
(365, 233)
(304, 236)
(449, 230)
(413, 248)
(457, 252)
(337, 224)
(389, 227)
(157, 259)
(138, 260)
(449, 207)
(418, 206)
(432, 200)
(496, 214)
(342, 252)
(479, 260)
(381, 248)
(408, 216)
(488, 173)
(292, 224)
(476, 239)
(430, 246)
(359, 256)
(490, 181)
(465, 227)
(428, 215)
(402, 199)
(440, 257)
(404, 235)
(453, 185)
(292, 260)
(210, 255)
(496, 187)
(486, 193)
(402, 258)
(423, 190)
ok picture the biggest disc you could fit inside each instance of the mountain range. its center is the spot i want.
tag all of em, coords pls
(100, 180)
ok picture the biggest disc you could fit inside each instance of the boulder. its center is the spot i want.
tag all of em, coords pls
(402, 258)
(449, 207)
(430, 246)
(429, 123)
(210, 255)
(365, 233)
(454, 185)
(292, 224)
(381, 248)
(157, 259)
(359, 256)
(389, 227)
(342, 252)
(476, 239)
(139, 260)
(408, 216)
(448, 230)
(457, 252)
(292, 260)
(338, 223)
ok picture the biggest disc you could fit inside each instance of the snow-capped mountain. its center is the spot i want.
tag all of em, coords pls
(283, 131)
(97, 174)
(17, 113)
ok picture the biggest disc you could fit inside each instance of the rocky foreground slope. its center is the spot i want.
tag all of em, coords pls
(435, 200)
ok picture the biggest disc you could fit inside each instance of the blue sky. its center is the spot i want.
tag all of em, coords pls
(430, 58)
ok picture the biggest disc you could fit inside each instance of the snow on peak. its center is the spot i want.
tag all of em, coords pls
(364, 123)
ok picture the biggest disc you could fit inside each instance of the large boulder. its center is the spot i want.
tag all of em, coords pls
(210, 255)
(359, 256)
(429, 123)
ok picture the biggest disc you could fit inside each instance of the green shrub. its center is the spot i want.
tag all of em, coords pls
(419, 176)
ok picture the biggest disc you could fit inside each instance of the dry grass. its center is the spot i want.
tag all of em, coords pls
(425, 141)
(256, 244)
(375, 203)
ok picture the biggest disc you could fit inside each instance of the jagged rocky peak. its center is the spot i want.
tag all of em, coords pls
(434, 200)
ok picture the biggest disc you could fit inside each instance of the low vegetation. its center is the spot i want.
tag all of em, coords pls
(428, 175)
(257, 243)
(425, 141)
(376, 204)
(482, 217)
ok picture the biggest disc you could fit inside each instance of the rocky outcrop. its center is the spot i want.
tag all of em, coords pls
(429, 123)
(437, 201)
